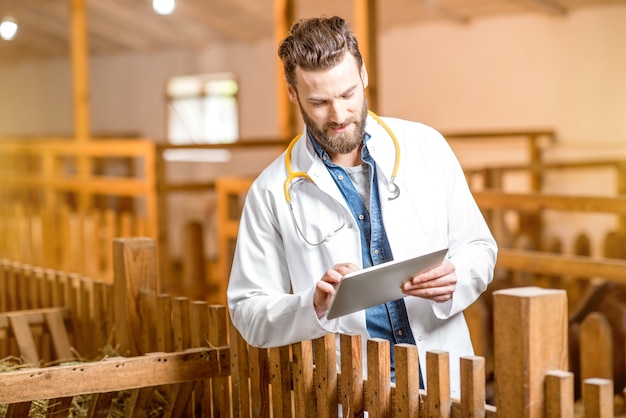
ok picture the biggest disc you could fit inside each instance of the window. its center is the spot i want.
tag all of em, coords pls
(202, 109)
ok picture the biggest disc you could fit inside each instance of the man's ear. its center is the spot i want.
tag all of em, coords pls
(293, 96)
(364, 76)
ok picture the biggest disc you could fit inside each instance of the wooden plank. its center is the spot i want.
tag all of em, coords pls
(217, 336)
(548, 263)
(377, 388)
(18, 410)
(351, 379)
(259, 382)
(138, 402)
(20, 328)
(523, 355)
(598, 398)
(280, 379)
(58, 332)
(134, 261)
(59, 407)
(112, 374)
(559, 394)
(407, 395)
(325, 376)
(473, 386)
(438, 402)
(240, 389)
(101, 405)
(596, 359)
(540, 201)
(302, 369)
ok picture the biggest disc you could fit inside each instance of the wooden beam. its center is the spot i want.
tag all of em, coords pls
(284, 15)
(80, 69)
(113, 374)
(366, 31)
(557, 264)
(538, 201)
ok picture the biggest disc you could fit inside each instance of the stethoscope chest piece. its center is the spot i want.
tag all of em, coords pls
(394, 191)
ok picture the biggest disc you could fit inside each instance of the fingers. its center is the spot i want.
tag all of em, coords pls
(325, 288)
(437, 284)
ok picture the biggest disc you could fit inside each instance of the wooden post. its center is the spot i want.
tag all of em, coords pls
(80, 63)
(530, 339)
(80, 79)
(365, 29)
(284, 15)
(134, 272)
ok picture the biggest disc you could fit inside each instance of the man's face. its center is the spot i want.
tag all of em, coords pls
(333, 104)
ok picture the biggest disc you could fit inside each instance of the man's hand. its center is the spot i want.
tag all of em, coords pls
(325, 288)
(437, 284)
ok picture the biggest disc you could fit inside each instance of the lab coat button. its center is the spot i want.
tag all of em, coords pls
(419, 338)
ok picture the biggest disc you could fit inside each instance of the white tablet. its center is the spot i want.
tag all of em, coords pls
(379, 284)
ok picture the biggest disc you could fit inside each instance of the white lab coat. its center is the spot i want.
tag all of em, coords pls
(273, 276)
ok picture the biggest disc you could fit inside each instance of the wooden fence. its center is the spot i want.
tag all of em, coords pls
(184, 358)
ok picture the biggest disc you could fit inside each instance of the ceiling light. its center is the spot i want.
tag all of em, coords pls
(164, 7)
(8, 28)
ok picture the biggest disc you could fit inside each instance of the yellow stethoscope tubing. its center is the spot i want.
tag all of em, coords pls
(291, 175)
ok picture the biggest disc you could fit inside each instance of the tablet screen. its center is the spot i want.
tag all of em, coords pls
(379, 284)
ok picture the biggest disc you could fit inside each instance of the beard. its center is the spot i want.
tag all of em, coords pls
(342, 143)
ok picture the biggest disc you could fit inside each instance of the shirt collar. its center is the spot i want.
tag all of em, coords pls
(324, 155)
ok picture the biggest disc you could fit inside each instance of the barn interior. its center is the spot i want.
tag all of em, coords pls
(119, 121)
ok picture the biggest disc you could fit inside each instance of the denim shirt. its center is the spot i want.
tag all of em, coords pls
(389, 320)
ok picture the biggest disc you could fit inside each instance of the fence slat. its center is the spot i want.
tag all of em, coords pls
(303, 390)
(596, 360)
(134, 267)
(598, 398)
(378, 385)
(559, 394)
(351, 379)
(407, 400)
(259, 389)
(438, 401)
(217, 336)
(101, 405)
(325, 376)
(239, 372)
(280, 379)
(472, 387)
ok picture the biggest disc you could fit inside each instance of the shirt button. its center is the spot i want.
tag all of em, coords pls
(340, 177)
(376, 252)
(419, 338)
(361, 217)
(400, 333)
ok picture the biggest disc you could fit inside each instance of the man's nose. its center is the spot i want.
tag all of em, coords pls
(337, 113)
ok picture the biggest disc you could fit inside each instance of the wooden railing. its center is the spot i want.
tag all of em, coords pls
(187, 353)
(60, 204)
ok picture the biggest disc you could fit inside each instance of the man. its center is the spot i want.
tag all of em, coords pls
(329, 205)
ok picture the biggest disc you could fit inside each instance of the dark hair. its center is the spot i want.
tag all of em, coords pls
(317, 44)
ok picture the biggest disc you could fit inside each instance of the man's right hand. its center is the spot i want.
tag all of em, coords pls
(325, 288)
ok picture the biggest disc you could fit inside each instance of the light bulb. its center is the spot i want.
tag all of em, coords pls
(8, 28)
(164, 7)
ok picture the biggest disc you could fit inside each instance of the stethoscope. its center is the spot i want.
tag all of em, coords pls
(394, 190)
